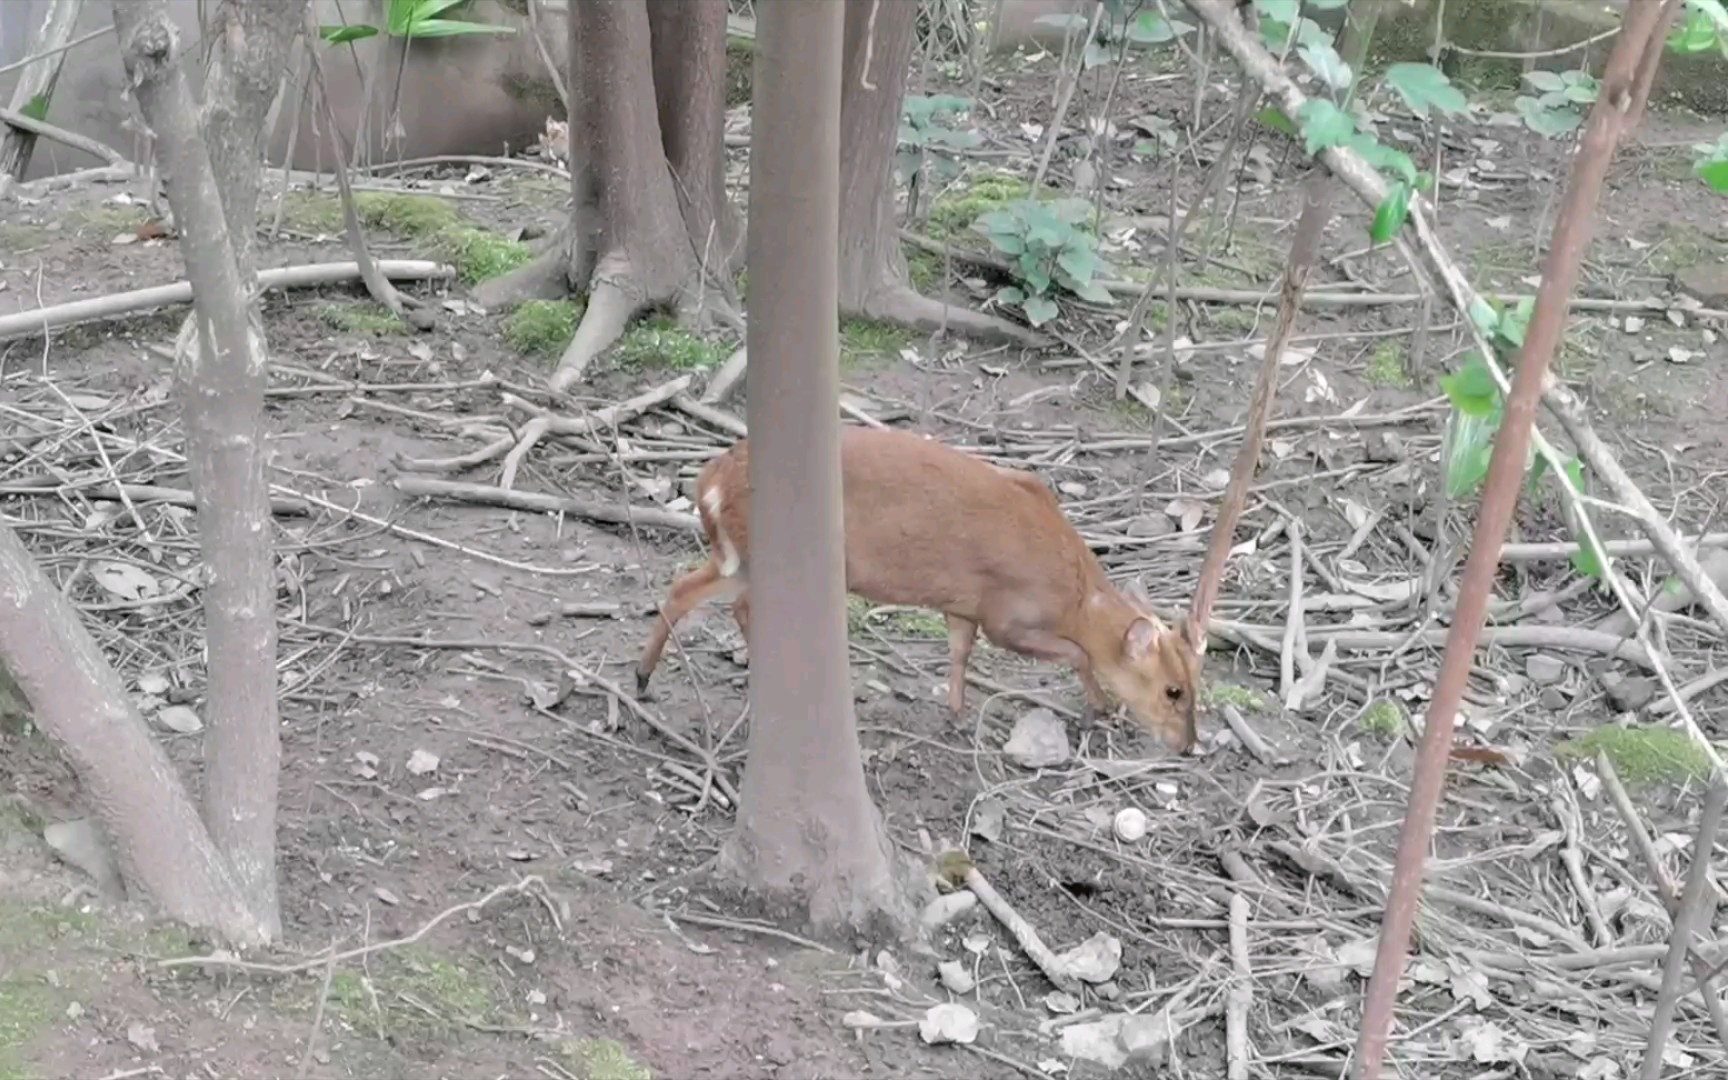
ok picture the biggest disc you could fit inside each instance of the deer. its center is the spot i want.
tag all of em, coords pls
(931, 526)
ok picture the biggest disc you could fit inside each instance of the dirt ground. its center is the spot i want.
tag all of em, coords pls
(622, 960)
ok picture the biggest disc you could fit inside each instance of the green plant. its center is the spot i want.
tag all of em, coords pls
(1051, 243)
(542, 327)
(926, 132)
(660, 342)
(413, 19)
(1705, 28)
(1641, 755)
(1478, 407)
(1712, 163)
(1553, 111)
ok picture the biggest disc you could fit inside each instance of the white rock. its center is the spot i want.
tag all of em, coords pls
(180, 718)
(949, 1022)
(1039, 740)
(1094, 960)
(1130, 824)
(955, 977)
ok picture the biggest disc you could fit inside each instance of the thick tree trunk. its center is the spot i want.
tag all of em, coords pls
(631, 243)
(221, 385)
(873, 282)
(35, 86)
(79, 702)
(688, 50)
(807, 833)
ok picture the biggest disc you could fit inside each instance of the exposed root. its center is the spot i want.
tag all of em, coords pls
(903, 306)
(544, 277)
(610, 306)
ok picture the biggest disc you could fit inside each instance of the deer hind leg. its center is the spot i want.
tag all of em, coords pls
(687, 593)
(962, 634)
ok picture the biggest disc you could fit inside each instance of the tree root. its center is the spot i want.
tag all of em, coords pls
(610, 307)
(903, 306)
(544, 277)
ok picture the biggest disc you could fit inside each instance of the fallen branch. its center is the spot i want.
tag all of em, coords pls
(536, 503)
(1692, 914)
(76, 141)
(1024, 933)
(311, 275)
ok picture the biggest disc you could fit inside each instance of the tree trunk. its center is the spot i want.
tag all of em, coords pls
(807, 833)
(877, 57)
(80, 703)
(630, 243)
(688, 49)
(35, 86)
(221, 384)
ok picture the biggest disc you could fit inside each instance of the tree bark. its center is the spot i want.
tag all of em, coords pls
(221, 378)
(807, 833)
(80, 703)
(631, 243)
(36, 82)
(688, 53)
(873, 281)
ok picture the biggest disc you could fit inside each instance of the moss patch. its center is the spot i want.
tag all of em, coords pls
(659, 342)
(1383, 719)
(1386, 366)
(106, 220)
(909, 622)
(28, 1006)
(1241, 697)
(866, 344)
(479, 255)
(924, 270)
(434, 224)
(740, 70)
(1641, 755)
(955, 211)
(369, 319)
(542, 327)
(602, 1059)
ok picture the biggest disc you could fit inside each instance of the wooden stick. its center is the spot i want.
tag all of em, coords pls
(534, 502)
(1240, 996)
(1693, 912)
(1030, 943)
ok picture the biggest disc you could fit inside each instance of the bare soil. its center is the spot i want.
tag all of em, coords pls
(589, 802)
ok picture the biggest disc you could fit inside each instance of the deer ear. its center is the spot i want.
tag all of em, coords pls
(1141, 639)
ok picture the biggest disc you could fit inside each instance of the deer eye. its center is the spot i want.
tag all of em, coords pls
(1174, 693)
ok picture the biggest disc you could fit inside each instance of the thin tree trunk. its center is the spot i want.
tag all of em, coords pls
(877, 57)
(221, 385)
(807, 833)
(79, 702)
(688, 51)
(36, 82)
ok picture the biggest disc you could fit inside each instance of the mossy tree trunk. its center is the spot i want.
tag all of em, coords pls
(649, 215)
(873, 282)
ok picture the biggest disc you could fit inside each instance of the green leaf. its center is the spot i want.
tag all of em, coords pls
(1472, 389)
(1151, 28)
(37, 107)
(1039, 310)
(1472, 449)
(1010, 295)
(1582, 89)
(1324, 125)
(1715, 173)
(1078, 260)
(1383, 157)
(1512, 324)
(1070, 211)
(1546, 81)
(1064, 22)
(1327, 64)
(1424, 86)
(1283, 11)
(441, 28)
(1094, 55)
(1034, 272)
(1391, 214)
(338, 35)
(1092, 293)
(1273, 117)
(1547, 120)
(1484, 315)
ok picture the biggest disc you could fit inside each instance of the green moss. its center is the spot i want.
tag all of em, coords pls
(1641, 755)
(867, 344)
(1383, 719)
(1386, 365)
(478, 254)
(448, 987)
(602, 1059)
(542, 327)
(659, 342)
(956, 210)
(1239, 696)
(924, 270)
(369, 319)
(24, 925)
(907, 622)
(106, 220)
(28, 1006)
(1681, 247)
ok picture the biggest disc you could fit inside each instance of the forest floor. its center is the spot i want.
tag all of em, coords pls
(447, 730)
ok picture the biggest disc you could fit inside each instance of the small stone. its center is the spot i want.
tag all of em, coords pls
(1545, 670)
(1072, 488)
(1553, 699)
(1151, 525)
(1708, 281)
(1108, 990)
(1039, 740)
(945, 909)
(955, 977)
(1628, 693)
(1130, 824)
(143, 1037)
(1095, 960)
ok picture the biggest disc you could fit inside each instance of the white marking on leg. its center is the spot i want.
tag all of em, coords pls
(713, 500)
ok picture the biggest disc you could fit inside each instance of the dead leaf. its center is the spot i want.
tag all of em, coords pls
(126, 581)
(949, 1022)
(421, 762)
(180, 718)
(385, 896)
(143, 1037)
(1187, 512)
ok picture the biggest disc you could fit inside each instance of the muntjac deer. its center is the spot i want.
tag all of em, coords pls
(934, 527)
